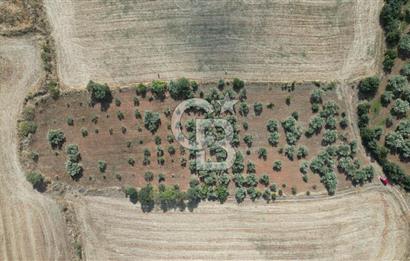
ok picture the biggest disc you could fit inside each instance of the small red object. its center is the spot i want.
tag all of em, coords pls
(384, 180)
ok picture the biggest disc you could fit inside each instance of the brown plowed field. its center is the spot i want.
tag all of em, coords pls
(112, 148)
(277, 40)
(361, 225)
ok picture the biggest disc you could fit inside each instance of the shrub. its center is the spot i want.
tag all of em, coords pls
(405, 71)
(344, 123)
(180, 89)
(141, 90)
(171, 150)
(28, 113)
(120, 115)
(394, 141)
(315, 125)
(102, 166)
(238, 84)
(34, 156)
(292, 130)
(270, 105)
(243, 109)
(251, 168)
(36, 179)
(94, 119)
(258, 107)
(194, 86)
(248, 139)
(131, 161)
(290, 152)
(157, 140)
(53, 89)
(253, 193)
(329, 180)
(304, 167)
(386, 98)
(288, 100)
(393, 38)
(56, 138)
(389, 58)
(242, 95)
(222, 193)
(264, 180)
(397, 84)
(152, 121)
(26, 127)
(73, 152)
(161, 177)
(272, 126)
(240, 194)
(132, 194)
(160, 151)
(363, 175)
(344, 151)
(213, 95)
(322, 163)
(158, 89)
(148, 176)
(84, 132)
(117, 102)
(74, 169)
(295, 115)
(329, 137)
(404, 128)
(404, 45)
(330, 123)
(221, 84)
(315, 107)
(369, 86)
(277, 165)
(316, 96)
(302, 152)
(330, 108)
(99, 92)
(238, 166)
(400, 108)
(136, 101)
(137, 114)
(390, 15)
(262, 153)
(146, 197)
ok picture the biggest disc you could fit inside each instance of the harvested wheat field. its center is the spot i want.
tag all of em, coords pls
(361, 225)
(131, 41)
(31, 225)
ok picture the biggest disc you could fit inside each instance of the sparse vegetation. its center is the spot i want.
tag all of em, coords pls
(56, 138)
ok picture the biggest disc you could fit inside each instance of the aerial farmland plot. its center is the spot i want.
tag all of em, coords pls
(129, 41)
(204, 130)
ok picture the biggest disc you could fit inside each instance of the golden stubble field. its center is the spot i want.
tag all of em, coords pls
(277, 40)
